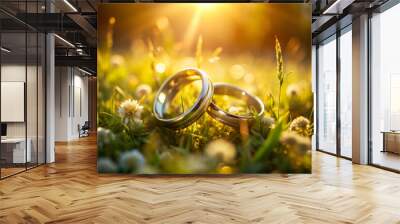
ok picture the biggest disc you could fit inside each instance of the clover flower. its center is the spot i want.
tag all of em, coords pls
(263, 125)
(105, 165)
(104, 136)
(295, 142)
(267, 122)
(292, 90)
(131, 161)
(117, 60)
(130, 110)
(221, 149)
(143, 90)
(301, 126)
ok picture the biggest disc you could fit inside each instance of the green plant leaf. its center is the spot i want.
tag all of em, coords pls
(270, 143)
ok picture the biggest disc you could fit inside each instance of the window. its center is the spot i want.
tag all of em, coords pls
(22, 88)
(327, 96)
(385, 89)
(346, 93)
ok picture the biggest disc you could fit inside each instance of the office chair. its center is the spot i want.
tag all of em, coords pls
(84, 130)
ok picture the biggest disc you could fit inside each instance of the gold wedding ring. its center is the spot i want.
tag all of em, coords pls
(230, 119)
(171, 87)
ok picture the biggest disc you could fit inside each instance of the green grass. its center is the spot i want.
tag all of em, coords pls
(259, 147)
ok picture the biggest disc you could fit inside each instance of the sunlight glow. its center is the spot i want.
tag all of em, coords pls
(202, 9)
(206, 6)
(160, 68)
(191, 30)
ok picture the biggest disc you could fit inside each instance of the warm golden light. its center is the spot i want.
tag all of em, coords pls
(162, 23)
(225, 170)
(206, 6)
(191, 32)
(160, 68)
(112, 20)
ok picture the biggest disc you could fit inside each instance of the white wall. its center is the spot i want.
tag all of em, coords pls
(16, 73)
(12, 73)
(62, 81)
(80, 109)
(33, 127)
(71, 102)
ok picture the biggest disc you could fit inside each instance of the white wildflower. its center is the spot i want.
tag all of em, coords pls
(293, 90)
(301, 126)
(294, 141)
(117, 60)
(221, 149)
(130, 109)
(143, 90)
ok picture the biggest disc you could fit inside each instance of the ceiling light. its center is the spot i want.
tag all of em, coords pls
(5, 50)
(65, 41)
(84, 71)
(338, 6)
(70, 5)
(79, 51)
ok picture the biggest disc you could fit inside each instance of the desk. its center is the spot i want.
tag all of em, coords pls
(16, 147)
(391, 141)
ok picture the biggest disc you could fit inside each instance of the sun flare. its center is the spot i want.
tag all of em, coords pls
(206, 6)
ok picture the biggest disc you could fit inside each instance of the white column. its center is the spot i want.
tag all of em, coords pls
(360, 90)
(50, 100)
(50, 91)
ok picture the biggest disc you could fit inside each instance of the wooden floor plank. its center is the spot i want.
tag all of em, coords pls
(70, 191)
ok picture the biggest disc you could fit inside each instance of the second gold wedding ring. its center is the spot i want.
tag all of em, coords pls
(231, 119)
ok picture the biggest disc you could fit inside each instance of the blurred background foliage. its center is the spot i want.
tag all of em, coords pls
(262, 48)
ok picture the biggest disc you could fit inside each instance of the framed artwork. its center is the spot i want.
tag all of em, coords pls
(204, 88)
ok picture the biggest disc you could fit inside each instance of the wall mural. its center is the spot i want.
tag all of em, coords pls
(204, 88)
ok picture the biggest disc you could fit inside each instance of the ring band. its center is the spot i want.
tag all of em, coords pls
(229, 118)
(171, 87)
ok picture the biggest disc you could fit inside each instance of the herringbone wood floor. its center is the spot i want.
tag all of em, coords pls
(70, 191)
